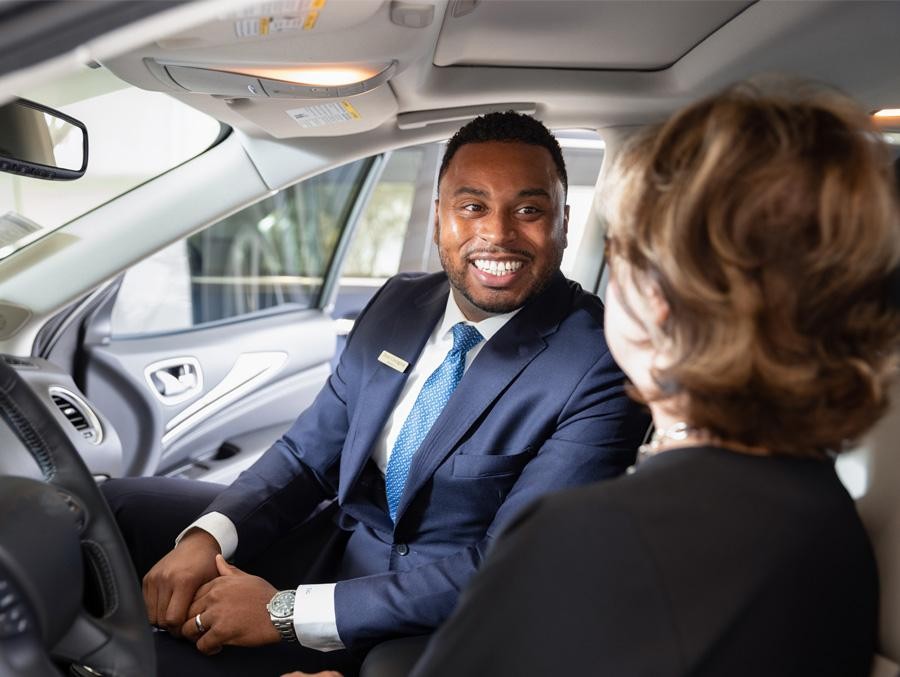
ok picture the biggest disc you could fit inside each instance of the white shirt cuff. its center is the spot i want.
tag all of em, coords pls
(314, 618)
(220, 528)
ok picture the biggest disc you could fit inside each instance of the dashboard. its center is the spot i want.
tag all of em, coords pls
(89, 431)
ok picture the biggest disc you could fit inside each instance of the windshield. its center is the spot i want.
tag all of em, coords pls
(134, 135)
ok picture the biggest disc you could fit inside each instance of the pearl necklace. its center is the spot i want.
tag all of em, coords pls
(678, 432)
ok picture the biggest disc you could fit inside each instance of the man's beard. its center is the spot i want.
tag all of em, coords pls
(458, 280)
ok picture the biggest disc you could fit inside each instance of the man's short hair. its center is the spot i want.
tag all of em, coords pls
(508, 126)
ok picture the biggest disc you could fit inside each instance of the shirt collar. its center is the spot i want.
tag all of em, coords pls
(487, 327)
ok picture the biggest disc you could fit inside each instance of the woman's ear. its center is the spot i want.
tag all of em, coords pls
(658, 306)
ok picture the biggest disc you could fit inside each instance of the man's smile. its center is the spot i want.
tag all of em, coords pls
(496, 272)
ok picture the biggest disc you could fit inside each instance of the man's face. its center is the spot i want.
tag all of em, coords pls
(500, 225)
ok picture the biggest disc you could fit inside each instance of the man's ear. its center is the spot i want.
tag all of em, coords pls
(566, 219)
(437, 222)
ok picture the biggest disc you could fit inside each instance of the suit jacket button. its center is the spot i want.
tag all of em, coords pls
(402, 549)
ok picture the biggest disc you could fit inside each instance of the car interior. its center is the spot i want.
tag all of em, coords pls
(248, 174)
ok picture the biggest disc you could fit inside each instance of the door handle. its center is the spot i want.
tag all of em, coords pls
(174, 381)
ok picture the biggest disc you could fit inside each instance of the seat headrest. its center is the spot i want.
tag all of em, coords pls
(878, 482)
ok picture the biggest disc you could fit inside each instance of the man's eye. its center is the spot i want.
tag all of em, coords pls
(529, 210)
(472, 207)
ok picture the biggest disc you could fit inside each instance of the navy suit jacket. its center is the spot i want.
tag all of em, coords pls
(541, 407)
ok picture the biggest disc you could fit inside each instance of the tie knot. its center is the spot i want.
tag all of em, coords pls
(465, 337)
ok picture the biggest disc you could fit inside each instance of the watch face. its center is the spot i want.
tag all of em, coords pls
(282, 604)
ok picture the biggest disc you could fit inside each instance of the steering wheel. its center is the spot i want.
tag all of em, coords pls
(51, 534)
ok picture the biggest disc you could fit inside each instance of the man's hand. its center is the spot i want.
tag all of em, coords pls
(232, 610)
(171, 584)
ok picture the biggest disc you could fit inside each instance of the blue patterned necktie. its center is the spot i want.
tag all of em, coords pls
(431, 401)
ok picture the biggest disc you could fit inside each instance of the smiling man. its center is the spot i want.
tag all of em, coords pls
(501, 223)
(459, 399)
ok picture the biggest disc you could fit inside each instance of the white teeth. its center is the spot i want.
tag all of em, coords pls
(497, 267)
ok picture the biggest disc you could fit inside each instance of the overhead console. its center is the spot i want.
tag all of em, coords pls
(241, 81)
(291, 68)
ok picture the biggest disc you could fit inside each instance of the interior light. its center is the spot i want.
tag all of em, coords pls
(887, 113)
(324, 75)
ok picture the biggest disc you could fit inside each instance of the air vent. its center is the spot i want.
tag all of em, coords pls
(78, 413)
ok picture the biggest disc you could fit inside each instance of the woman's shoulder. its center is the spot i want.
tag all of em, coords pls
(706, 480)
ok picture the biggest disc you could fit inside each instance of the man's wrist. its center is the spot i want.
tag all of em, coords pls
(281, 614)
(220, 527)
(197, 537)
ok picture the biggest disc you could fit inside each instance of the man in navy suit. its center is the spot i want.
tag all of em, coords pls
(460, 398)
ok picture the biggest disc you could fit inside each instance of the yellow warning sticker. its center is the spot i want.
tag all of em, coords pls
(347, 106)
(265, 26)
(324, 114)
(313, 15)
(268, 19)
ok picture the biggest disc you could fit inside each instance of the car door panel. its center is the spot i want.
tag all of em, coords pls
(258, 373)
(224, 333)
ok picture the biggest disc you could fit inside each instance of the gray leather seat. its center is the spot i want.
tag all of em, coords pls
(873, 475)
(878, 471)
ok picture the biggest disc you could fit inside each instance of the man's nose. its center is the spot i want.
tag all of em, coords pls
(498, 227)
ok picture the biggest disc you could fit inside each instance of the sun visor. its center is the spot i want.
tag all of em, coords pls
(289, 109)
(291, 68)
(285, 119)
(260, 22)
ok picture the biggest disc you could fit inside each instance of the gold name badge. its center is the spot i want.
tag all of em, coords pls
(393, 361)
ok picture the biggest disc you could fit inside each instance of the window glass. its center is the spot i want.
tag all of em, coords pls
(377, 244)
(273, 253)
(134, 135)
(389, 236)
(583, 154)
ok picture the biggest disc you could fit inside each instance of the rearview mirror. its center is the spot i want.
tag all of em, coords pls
(41, 142)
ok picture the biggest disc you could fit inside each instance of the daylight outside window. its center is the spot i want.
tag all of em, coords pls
(134, 135)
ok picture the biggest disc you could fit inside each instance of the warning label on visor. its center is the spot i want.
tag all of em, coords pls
(324, 114)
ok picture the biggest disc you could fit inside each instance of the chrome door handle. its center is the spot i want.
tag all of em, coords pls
(171, 383)
(175, 380)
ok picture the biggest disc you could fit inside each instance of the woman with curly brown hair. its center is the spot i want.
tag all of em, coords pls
(752, 240)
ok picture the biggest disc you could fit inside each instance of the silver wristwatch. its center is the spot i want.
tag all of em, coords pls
(281, 613)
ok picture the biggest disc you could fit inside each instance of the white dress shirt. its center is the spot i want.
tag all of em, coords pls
(314, 617)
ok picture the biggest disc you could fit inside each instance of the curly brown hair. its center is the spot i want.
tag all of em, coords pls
(767, 219)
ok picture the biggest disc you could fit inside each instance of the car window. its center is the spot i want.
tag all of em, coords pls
(278, 251)
(378, 241)
(134, 136)
(583, 153)
(274, 253)
(393, 233)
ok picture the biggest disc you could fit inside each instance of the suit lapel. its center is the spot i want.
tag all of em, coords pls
(406, 339)
(496, 366)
